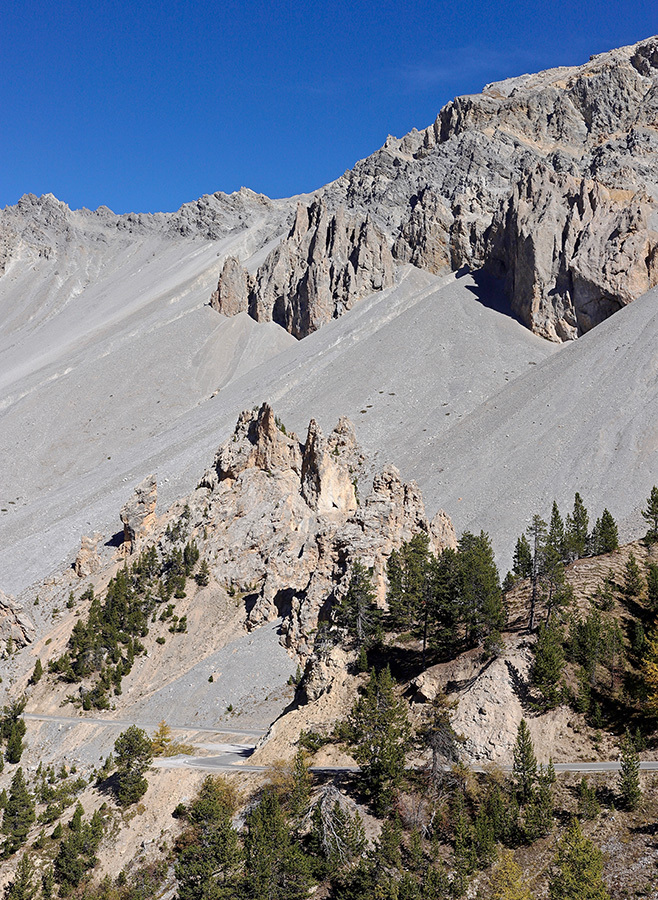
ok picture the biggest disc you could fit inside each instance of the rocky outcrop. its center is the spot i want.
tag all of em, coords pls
(550, 180)
(138, 514)
(15, 625)
(325, 265)
(287, 521)
(88, 562)
(572, 252)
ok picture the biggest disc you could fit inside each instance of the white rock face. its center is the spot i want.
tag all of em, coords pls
(138, 514)
(15, 624)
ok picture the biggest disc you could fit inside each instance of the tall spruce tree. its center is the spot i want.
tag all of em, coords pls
(576, 530)
(548, 664)
(481, 595)
(18, 816)
(524, 769)
(556, 537)
(577, 868)
(522, 560)
(651, 516)
(378, 728)
(605, 537)
(629, 775)
(536, 531)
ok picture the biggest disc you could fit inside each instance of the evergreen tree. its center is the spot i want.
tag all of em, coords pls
(407, 571)
(522, 560)
(577, 868)
(18, 815)
(336, 835)
(14, 749)
(629, 776)
(22, 886)
(651, 516)
(650, 672)
(538, 818)
(47, 884)
(556, 538)
(275, 867)
(588, 805)
(77, 850)
(37, 673)
(481, 596)
(576, 530)
(133, 754)
(202, 577)
(605, 538)
(358, 611)
(652, 586)
(208, 854)
(548, 664)
(507, 880)
(537, 533)
(524, 769)
(379, 730)
(633, 581)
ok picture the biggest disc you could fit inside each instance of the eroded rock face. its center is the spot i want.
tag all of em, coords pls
(319, 271)
(15, 625)
(286, 522)
(138, 514)
(88, 562)
(550, 180)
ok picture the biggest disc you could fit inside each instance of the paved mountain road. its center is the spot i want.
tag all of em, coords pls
(231, 754)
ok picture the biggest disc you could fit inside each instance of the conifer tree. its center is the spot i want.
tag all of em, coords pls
(161, 740)
(652, 586)
(358, 611)
(651, 516)
(522, 560)
(37, 673)
(202, 577)
(524, 769)
(577, 868)
(605, 537)
(507, 880)
(208, 853)
(22, 885)
(18, 815)
(537, 533)
(481, 596)
(633, 581)
(588, 805)
(379, 729)
(134, 754)
(548, 664)
(275, 867)
(629, 776)
(556, 534)
(576, 530)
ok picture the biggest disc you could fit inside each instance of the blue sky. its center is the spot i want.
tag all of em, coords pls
(147, 105)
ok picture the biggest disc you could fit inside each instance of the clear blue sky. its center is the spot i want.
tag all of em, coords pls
(143, 106)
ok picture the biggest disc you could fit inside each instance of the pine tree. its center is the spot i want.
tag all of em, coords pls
(524, 769)
(629, 776)
(275, 867)
(522, 560)
(588, 805)
(358, 611)
(507, 880)
(407, 571)
(576, 530)
(202, 577)
(18, 815)
(481, 597)
(208, 853)
(605, 538)
(633, 581)
(133, 754)
(548, 664)
(22, 886)
(577, 868)
(14, 749)
(379, 730)
(651, 516)
(37, 673)
(652, 586)
(537, 534)
(556, 537)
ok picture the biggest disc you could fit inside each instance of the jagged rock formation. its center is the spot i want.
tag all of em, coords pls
(550, 180)
(317, 273)
(138, 514)
(88, 562)
(287, 522)
(15, 625)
